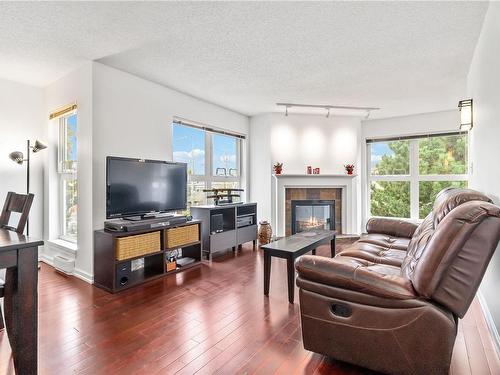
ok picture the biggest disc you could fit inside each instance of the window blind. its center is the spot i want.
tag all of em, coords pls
(197, 125)
(417, 136)
(62, 111)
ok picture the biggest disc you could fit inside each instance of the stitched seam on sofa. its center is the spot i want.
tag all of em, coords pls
(403, 352)
(370, 328)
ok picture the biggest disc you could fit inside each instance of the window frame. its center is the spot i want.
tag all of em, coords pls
(209, 178)
(414, 177)
(65, 174)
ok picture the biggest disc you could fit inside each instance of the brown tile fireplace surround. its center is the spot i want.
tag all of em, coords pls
(308, 194)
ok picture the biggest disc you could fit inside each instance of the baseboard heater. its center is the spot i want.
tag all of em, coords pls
(64, 265)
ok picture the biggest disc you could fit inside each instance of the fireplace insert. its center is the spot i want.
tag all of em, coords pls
(310, 215)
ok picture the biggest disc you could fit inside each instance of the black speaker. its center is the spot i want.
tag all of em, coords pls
(216, 223)
(123, 274)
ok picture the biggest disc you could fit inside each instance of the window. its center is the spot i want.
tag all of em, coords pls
(213, 159)
(406, 174)
(67, 168)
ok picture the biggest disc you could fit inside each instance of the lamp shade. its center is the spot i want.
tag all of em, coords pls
(466, 114)
(17, 156)
(38, 146)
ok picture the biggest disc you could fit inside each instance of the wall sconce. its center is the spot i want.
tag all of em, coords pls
(466, 114)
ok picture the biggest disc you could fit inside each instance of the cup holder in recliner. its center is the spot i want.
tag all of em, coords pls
(123, 280)
(341, 310)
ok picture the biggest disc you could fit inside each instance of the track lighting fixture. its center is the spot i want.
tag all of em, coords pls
(327, 107)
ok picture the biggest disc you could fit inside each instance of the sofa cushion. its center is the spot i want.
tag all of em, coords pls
(356, 274)
(390, 226)
(388, 242)
(378, 248)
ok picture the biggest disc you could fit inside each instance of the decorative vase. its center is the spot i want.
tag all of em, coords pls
(349, 171)
(265, 232)
(309, 169)
(277, 170)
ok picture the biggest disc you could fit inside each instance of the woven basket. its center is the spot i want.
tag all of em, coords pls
(178, 237)
(134, 246)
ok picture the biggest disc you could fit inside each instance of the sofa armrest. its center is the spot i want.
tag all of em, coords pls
(391, 227)
(355, 274)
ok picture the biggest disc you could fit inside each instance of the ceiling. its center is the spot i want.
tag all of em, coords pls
(405, 57)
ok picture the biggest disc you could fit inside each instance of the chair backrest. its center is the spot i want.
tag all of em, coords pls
(20, 203)
(449, 252)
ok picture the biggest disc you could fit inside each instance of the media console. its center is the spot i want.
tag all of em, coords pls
(226, 226)
(125, 259)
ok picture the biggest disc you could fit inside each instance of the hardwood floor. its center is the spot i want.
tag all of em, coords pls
(212, 319)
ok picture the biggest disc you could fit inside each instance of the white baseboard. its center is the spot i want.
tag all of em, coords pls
(46, 259)
(489, 320)
(82, 275)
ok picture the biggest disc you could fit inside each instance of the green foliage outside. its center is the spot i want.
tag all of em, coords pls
(437, 155)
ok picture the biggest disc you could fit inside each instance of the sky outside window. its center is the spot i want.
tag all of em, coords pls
(224, 155)
(189, 147)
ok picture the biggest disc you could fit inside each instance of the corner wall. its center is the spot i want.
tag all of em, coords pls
(74, 87)
(298, 141)
(21, 118)
(484, 89)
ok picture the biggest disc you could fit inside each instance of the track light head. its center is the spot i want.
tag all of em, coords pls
(17, 157)
(286, 110)
(328, 113)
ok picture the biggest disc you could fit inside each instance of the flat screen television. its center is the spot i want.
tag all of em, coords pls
(138, 187)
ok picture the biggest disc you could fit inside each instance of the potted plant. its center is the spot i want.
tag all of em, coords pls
(349, 168)
(278, 167)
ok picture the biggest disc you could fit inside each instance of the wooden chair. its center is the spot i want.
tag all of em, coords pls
(20, 203)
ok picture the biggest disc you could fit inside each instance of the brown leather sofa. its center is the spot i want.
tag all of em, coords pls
(391, 301)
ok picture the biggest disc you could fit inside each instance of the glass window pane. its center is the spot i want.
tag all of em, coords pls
(68, 144)
(70, 207)
(224, 150)
(390, 158)
(189, 147)
(443, 155)
(428, 191)
(229, 184)
(390, 198)
(71, 146)
(196, 196)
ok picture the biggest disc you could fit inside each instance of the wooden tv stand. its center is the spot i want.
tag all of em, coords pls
(115, 270)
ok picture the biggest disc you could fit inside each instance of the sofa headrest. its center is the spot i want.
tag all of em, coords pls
(450, 198)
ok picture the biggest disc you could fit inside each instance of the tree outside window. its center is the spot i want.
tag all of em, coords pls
(398, 190)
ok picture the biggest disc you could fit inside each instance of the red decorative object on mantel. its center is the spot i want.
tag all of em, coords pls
(278, 167)
(316, 171)
(349, 168)
(309, 169)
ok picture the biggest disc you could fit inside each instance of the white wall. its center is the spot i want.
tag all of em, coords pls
(298, 141)
(435, 122)
(74, 87)
(484, 88)
(21, 118)
(132, 117)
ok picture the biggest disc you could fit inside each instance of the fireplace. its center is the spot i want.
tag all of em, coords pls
(314, 194)
(312, 214)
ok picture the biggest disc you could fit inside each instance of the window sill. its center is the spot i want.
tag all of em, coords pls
(63, 245)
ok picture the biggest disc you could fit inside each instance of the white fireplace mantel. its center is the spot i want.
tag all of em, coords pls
(348, 184)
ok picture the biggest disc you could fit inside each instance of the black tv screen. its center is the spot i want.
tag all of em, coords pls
(138, 187)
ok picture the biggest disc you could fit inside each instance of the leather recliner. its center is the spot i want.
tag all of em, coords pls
(391, 301)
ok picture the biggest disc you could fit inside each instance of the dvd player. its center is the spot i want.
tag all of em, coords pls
(123, 225)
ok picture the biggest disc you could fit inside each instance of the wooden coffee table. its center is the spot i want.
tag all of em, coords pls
(290, 248)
